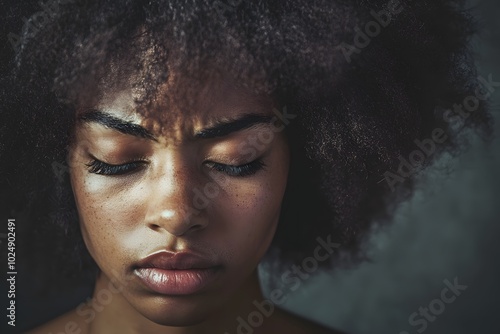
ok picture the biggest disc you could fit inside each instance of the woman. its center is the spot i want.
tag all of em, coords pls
(178, 145)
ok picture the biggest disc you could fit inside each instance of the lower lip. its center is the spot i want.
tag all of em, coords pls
(176, 282)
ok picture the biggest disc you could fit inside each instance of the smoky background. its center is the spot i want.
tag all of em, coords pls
(449, 229)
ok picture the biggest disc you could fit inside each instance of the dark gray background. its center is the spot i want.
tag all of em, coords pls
(450, 228)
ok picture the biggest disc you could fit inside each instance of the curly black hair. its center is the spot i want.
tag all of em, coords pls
(365, 79)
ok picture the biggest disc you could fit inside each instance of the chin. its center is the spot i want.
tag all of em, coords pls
(177, 314)
(177, 319)
(183, 320)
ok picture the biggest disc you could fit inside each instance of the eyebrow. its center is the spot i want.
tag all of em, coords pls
(221, 128)
(225, 127)
(112, 122)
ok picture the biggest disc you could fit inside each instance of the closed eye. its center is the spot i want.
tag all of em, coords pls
(99, 167)
(237, 171)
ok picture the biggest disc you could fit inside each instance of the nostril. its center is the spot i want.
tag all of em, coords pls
(195, 227)
(154, 227)
(176, 227)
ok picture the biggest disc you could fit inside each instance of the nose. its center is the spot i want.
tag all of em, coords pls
(170, 201)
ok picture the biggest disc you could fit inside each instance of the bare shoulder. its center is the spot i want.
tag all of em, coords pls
(68, 323)
(282, 322)
(287, 322)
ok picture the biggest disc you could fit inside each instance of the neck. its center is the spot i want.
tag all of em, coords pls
(118, 316)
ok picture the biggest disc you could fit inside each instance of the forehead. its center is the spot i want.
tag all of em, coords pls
(182, 105)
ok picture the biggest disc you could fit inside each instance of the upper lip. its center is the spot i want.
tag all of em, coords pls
(175, 261)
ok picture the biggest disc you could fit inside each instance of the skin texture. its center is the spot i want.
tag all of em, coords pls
(154, 207)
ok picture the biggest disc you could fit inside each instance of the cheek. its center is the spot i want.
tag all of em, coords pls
(109, 216)
(249, 210)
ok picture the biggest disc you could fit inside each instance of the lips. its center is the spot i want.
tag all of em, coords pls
(180, 273)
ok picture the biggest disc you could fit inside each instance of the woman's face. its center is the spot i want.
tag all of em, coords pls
(209, 184)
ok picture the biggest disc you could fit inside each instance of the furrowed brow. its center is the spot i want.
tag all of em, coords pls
(226, 127)
(115, 123)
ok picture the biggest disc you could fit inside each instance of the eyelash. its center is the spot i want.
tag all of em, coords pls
(102, 168)
(238, 171)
